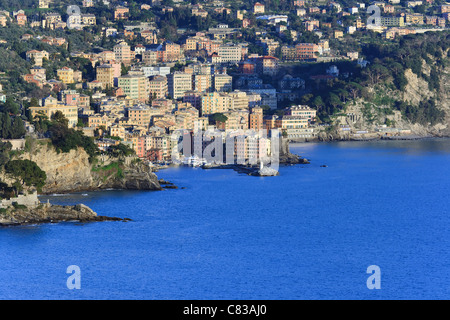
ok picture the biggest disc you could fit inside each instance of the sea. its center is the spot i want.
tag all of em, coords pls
(364, 220)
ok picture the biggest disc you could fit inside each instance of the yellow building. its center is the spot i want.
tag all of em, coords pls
(139, 115)
(65, 75)
(51, 106)
(338, 34)
(414, 18)
(201, 82)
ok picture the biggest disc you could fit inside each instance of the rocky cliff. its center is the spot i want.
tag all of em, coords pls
(368, 115)
(72, 172)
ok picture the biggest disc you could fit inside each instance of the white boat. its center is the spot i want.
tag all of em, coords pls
(194, 161)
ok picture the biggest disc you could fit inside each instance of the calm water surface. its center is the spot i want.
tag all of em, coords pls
(309, 233)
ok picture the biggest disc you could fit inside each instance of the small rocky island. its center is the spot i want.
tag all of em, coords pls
(49, 213)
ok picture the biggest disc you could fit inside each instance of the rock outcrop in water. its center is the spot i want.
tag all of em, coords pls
(47, 213)
(286, 157)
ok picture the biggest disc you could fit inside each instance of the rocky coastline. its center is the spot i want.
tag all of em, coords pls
(69, 172)
(49, 213)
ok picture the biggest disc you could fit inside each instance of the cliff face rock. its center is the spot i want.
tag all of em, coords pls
(65, 172)
(72, 172)
(416, 90)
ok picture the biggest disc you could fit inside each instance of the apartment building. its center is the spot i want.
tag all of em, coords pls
(302, 111)
(230, 53)
(178, 83)
(65, 75)
(139, 115)
(122, 52)
(158, 87)
(135, 86)
(387, 21)
(239, 100)
(105, 74)
(201, 82)
(215, 102)
(121, 13)
(256, 119)
(223, 82)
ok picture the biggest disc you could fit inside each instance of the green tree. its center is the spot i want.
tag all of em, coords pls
(58, 117)
(18, 128)
(218, 117)
(28, 171)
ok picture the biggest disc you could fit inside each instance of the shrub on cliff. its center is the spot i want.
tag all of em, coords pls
(120, 151)
(65, 139)
(28, 171)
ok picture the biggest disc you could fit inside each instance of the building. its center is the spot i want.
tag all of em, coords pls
(301, 51)
(139, 115)
(258, 8)
(3, 20)
(88, 3)
(156, 71)
(215, 102)
(50, 106)
(123, 53)
(37, 56)
(135, 86)
(88, 19)
(414, 18)
(105, 74)
(65, 75)
(21, 19)
(387, 21)
(43, 4)
(256, 119)
(121, 13)
(302, 111)
(150, 57)
(107, 55)
(230, 53)
(266, 65)
(239, 100)
(158, 87)
(178, 83)
(310, 25)
(338, 34)
(223, 82)
(289, 82)
(201, 82)
(172, 52)
(445, 8)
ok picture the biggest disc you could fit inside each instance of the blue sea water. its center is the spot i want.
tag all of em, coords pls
(310, 233)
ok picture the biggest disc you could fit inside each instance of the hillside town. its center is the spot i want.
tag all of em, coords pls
(139, 77)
